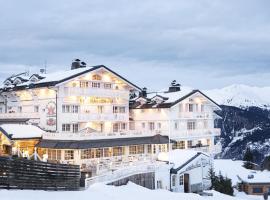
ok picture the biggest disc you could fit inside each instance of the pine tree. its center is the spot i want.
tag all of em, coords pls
(248, 158)
(212, 177)
(220, 183)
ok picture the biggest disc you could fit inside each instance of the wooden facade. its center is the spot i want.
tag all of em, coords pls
(254, 188)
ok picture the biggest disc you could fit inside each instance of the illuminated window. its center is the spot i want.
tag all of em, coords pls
(136, 149)
(86, 154)
(107, 152)
(69, 155)
(118, 151)
(149, 148)
(96, 77)
(132, 149)
(54, 155)
(180, 145)
(99, 153)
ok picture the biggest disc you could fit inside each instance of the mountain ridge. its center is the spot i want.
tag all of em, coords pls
(242, 96)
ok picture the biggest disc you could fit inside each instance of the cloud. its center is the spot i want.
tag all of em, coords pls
(202, 44)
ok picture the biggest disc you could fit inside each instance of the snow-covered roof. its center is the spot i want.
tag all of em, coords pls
(21, 131)
(172, 96)
(169, 99)
(178, 156)
(61, 76)
(235, 170)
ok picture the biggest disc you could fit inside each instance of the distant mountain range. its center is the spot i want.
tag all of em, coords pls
(241, 96)
(245, 120)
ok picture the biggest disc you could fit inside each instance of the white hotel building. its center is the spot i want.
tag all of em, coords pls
(89, 119)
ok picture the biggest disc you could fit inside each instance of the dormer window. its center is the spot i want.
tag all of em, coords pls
(7, 82)
(33, 79)
(96, 77)
(17, 81)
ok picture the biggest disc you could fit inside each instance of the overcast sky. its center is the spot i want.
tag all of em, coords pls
(200, 43)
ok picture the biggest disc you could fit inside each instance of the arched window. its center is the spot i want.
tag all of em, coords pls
(96, 77)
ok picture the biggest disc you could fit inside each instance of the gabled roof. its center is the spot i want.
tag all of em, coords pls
(37, 76)
(170, 99)
(180, 158)
(53, 79)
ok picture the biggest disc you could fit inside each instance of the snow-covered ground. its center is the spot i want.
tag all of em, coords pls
(232, 169)
(105, 192)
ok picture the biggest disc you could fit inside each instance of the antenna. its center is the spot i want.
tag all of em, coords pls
(45, 67)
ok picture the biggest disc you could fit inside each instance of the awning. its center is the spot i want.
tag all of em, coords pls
(87, 144)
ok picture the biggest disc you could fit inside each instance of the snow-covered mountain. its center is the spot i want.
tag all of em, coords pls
(245, 120)
(241, 96)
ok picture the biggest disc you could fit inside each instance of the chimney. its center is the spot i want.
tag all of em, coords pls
(174, 87)
(83, 64)
(76, 64)
(144, 92)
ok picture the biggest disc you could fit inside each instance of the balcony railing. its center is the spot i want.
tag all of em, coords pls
(93, 135)
(131, 133)
(101, 92)
(196, 115)
(196, 133)
(103, 117)
(30, 115)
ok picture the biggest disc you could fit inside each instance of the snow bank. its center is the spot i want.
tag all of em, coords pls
(22, 130)
(105, 192)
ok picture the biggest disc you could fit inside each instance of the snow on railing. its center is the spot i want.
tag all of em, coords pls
(121, 173)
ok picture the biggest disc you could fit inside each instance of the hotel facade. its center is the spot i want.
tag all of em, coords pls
(94, 117)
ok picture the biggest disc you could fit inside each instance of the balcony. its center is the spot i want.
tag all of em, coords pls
(195, 133)
(93, 135)
(30, 115)
(100, 92)
(196, 115)
(102, 117)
